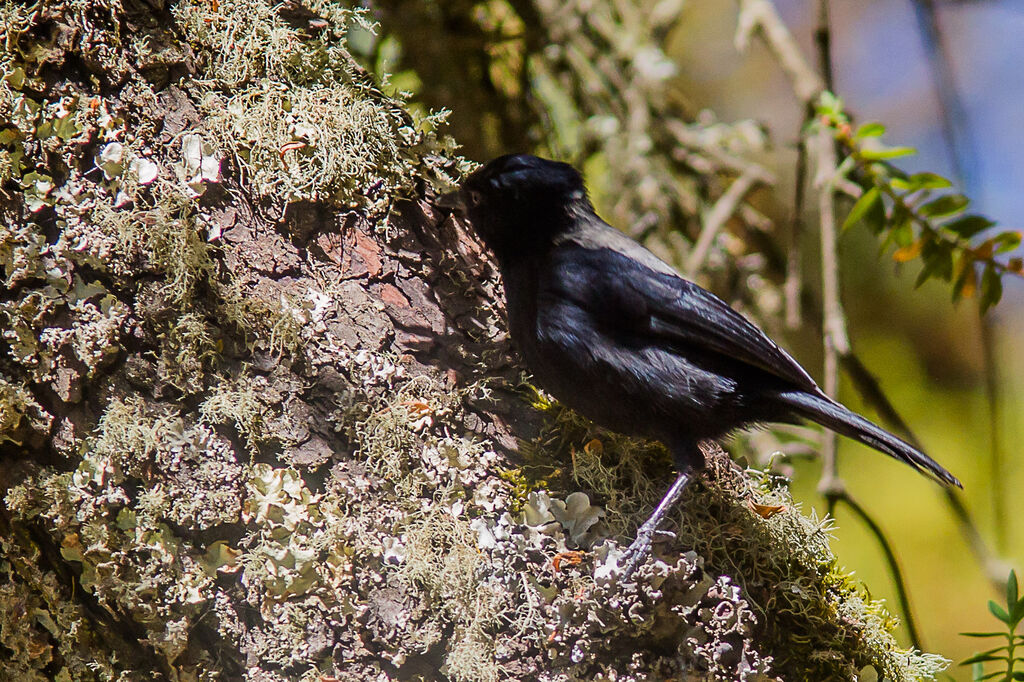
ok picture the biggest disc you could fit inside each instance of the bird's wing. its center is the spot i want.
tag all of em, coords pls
(628, 288)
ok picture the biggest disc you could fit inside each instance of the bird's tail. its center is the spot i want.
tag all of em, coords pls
(828, 413)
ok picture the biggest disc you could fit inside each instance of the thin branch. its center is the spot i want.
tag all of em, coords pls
(834, 336)
(716, 218)
(823, 40)
(690, 139)
(761, 16)
(794, 265)
(996, 456)
(952, 113)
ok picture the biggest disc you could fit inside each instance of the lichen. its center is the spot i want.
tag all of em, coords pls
(290, 105)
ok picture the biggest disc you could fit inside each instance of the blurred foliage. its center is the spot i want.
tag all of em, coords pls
(588, 83)
(1006, 654)
(902, 210)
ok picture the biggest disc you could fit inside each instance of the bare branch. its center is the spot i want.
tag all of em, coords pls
(725, 207)
(762, 17)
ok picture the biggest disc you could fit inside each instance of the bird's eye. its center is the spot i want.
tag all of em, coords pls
(475, 197)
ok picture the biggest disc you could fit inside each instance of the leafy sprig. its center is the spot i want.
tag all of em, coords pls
(1007, 654)
(916, 214)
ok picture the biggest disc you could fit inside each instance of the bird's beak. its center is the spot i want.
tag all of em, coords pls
(453, 201)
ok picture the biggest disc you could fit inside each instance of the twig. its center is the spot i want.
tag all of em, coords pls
(794, 282)
(823, 40)
(834, 334)
(953, 115)
(761, 16)
(716, 218)
(690, 139)
(997, 461)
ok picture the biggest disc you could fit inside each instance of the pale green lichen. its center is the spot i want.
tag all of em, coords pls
(817, 621)
(21, 416)
(440, 560)
(300, 121)
(237, 402)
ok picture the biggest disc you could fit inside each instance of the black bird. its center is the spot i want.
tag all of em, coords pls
(618, 335)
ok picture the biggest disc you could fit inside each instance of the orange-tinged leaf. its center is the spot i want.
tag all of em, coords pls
(417, 406)
(970, 285)
(765, 511)
(984, 250)
(572, 558)
(594, 448)
(909, 252)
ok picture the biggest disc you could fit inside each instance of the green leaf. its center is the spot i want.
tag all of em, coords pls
(1018, 676)
(872, 129)
(1017, 614)
(1011, 589)
(903, 233)
(965, 278)
(919, 181)
(886, 153)
(982, 634)
(1003, 650)
(930, 181)
(991, 675)
(828, 103)
(991, 292)
(1007, 241)
(868, 202)
(947, 205)
(969, 225)
(998, 612)
(938, 262)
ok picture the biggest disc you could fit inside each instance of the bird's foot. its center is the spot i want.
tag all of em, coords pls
(640, 549)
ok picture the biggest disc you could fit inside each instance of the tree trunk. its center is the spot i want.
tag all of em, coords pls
(259, 417)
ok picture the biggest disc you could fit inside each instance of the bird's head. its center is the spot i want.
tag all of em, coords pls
(517, 203)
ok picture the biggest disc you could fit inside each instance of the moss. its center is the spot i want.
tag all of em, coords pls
(298, 118)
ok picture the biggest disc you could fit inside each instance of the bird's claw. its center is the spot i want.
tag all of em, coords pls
(637, 552)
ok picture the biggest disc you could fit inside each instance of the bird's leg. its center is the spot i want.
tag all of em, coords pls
(641, 546)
